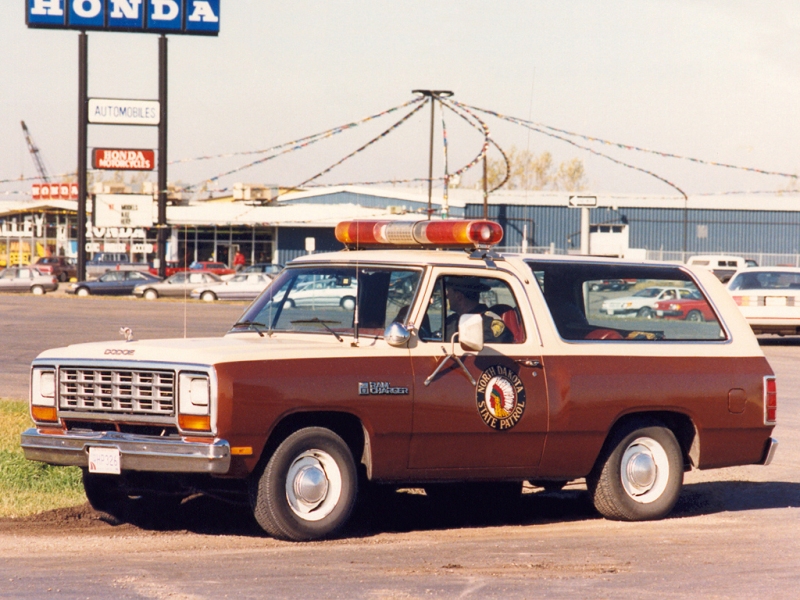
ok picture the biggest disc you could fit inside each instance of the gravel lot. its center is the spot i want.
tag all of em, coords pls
(732, 535)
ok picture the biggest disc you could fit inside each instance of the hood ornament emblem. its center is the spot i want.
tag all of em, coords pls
(127, 333)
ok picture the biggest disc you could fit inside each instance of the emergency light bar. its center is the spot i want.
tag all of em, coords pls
(451, 232)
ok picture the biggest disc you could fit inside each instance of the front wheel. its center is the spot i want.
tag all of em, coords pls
(307, 488)
(640, 475)
(348, 303)
(208, 296)
(694, 315)
(82, 292)
(150, 294)
(645, 312)
(37, 290)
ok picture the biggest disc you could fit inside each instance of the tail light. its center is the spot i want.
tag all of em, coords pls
(770, 401)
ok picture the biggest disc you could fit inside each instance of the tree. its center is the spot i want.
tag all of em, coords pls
(529, 171)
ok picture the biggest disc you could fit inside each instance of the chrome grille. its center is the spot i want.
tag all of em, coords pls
(127, 391)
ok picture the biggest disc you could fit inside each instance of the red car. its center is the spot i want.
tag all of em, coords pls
(692, 308)
(217, 268)
(172, 268)
(57, 266)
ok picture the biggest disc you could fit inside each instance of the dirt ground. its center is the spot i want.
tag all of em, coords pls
(732, 534)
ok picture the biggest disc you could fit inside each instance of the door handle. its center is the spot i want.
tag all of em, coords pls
(527, 362)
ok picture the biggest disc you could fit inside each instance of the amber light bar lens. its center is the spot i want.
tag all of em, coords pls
(450, 232)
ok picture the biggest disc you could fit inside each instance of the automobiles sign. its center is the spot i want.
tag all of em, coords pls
(192, 17)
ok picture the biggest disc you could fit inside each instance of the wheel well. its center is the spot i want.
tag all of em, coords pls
(345, 425)
(680, 424)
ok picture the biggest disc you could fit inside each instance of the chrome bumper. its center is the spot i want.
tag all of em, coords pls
(769, 451)
(137, 452)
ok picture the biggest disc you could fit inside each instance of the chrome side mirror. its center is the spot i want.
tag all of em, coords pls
(397, 335)
(470, 332)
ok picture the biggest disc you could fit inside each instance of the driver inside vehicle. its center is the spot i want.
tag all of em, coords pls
(464, 297)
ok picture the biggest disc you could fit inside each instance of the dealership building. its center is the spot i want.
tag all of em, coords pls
(765, 227)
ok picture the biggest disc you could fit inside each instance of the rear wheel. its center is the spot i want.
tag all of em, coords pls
(640, 474)
(150, 294)
(37, 290)
(82, 291)
(645, 312)
(208, 296)
(62, 277)
(308, 487)
(694, 315)
(348, 303)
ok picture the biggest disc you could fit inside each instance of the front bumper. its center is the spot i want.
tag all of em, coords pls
(137, 452)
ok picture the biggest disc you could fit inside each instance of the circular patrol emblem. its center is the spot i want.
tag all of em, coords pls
(501, 397)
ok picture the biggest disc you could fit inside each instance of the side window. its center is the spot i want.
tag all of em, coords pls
(454, 296)
(325, 298)
(625, 302)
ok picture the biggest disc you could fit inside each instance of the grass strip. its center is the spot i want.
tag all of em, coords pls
(28, 487)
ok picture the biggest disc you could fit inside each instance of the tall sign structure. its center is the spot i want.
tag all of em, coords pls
(187, 17)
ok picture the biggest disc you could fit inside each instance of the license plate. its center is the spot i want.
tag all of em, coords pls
(659, 313)
(104, 460)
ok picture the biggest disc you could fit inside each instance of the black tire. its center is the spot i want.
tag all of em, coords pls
(82, 291)
(318, 461)
(62, 277)
(150, 294)
(645, 312)
(639, 475)
(695, 315)
(348, 303)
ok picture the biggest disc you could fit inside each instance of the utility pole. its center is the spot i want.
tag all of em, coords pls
(433, 95)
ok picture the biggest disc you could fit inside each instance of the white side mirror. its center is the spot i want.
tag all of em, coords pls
(470, 332)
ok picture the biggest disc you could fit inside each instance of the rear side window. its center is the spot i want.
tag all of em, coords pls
(626, 303)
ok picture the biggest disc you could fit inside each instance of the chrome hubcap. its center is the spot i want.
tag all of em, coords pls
(313, 485)
(644, 470)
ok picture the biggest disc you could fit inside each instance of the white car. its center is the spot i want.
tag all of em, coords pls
(643, 302)
(245, 286)
(769, 298)
(26, 279)
(325, 291)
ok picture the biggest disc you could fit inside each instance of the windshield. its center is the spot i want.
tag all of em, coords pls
(319, 299)
(651, 292)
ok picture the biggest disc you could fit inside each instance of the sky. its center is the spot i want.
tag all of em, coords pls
(712, 80)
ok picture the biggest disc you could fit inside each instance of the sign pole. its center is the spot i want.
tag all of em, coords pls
(83, 125)
(162, 156)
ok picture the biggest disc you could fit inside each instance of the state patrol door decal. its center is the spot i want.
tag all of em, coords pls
(501, 397)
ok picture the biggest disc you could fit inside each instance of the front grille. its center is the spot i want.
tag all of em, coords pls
(125, 391)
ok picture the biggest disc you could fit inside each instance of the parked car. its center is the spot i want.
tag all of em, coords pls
(325, 291)
(612, 285)
(58, 266)
(270, 269)
(769, 298)
(643, 302)
(116, 261)
(723, 266)
(173, 267)
(112, 283)
(217, 268)
(180, 284)
(244, 286)
(691, 308)
(26, 279)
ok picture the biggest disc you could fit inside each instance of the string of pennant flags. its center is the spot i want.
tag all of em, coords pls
(622, 146)
(466, 112)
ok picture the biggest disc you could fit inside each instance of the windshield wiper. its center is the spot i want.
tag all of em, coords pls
(254, 324)
(323, 323)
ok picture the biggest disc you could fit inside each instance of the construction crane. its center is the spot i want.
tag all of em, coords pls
(37, 159)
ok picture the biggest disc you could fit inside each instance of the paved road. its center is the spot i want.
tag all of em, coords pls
(732, 535)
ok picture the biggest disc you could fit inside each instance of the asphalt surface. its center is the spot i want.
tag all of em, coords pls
(733, 533)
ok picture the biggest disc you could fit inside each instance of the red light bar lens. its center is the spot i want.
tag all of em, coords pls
(451, 232)
(770, 401)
